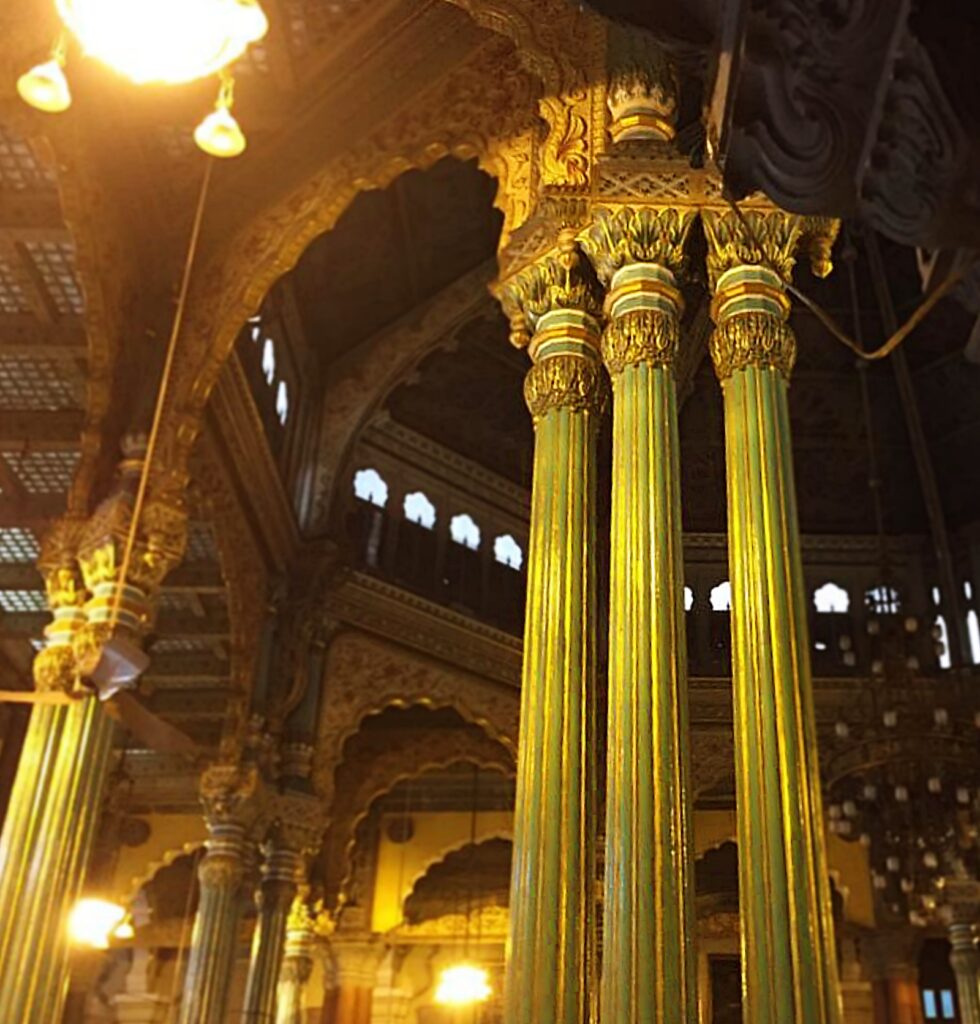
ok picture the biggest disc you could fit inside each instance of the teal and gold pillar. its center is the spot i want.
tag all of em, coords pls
(297, 964)
(963, 914)
(294, 836)
(230, 795)
(649, 968)
(788, 950)
(549, 970)
(57, 794)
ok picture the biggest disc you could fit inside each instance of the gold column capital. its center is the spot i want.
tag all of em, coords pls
(624, 235)
(648, 336)
(766, 237)
(560, 280)
(753, 339)
(566, 380)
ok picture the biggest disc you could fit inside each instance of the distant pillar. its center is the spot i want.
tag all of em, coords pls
(965, 957)
(649, 970)
(297, 964)
(550, 970)
(230, 795)
(788, 949)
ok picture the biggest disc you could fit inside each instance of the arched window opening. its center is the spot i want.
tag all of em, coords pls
(935, 596)
(973, 631)
(508, 552)
(688, 599)
(418, 509)
(255, 327)
(721, 597)
(942, 642)
(831, 599)
(968, 590)
(282, 402)
(369, 485)
(269, 361)
(883, 600)
(464, 531)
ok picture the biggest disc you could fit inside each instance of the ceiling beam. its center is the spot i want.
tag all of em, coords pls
(23, 335)
(33, 215)
(41, 430)
(20, 576)
(33, 510)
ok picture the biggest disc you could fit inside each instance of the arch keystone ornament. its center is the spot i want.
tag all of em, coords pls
(788, 949)
(554, 305)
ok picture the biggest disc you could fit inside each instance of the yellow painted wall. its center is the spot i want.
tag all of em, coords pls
(169, 834)
(401, 865)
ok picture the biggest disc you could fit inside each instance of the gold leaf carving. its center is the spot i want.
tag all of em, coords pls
(641, 336)
(565, 382)
(638, 234)
(753, 339)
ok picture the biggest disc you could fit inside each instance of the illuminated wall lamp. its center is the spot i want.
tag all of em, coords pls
(160, 42)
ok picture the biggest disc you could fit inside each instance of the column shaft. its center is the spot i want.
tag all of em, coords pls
(965, 960)
(649, 968)
(274, 902)
(215, 936)
(788, 950)
(553, 876)
(45, 880)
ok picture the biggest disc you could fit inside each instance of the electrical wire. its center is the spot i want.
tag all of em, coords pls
(165, 377)
(951, 280)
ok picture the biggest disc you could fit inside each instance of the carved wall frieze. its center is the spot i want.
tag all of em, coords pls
(365, 675)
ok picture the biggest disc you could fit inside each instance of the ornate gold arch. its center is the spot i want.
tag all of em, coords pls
(421, 752)
(365, 675)
(486, 109)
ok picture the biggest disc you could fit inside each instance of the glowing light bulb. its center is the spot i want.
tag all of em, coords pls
(463, 985)
(220, 135)
(92, 921)
(168, 41)
(45, 87)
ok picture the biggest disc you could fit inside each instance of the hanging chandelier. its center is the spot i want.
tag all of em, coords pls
(903, 767)
(167, 42)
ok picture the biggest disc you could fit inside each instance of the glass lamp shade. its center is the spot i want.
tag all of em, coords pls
(165, 41)
(45, 88)
(463, 985)
(219, 134)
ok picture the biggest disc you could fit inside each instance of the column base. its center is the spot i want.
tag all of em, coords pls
(140, 1009)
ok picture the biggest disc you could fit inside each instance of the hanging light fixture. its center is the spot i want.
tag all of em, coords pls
(166, 42)
(219, 133)
(45, 87)
(465, 983)
(93, 922)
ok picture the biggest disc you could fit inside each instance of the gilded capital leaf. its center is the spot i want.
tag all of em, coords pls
(753, 339)
(645, 234)
(565, 382)
(642, 336)
(562, 279)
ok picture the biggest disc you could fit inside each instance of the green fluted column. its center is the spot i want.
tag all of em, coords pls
(788, 952)
(964, 956)
(297, 964)
(549, 969)
(280, 876)
(229, 795)
(649, 968)
(54, 806)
